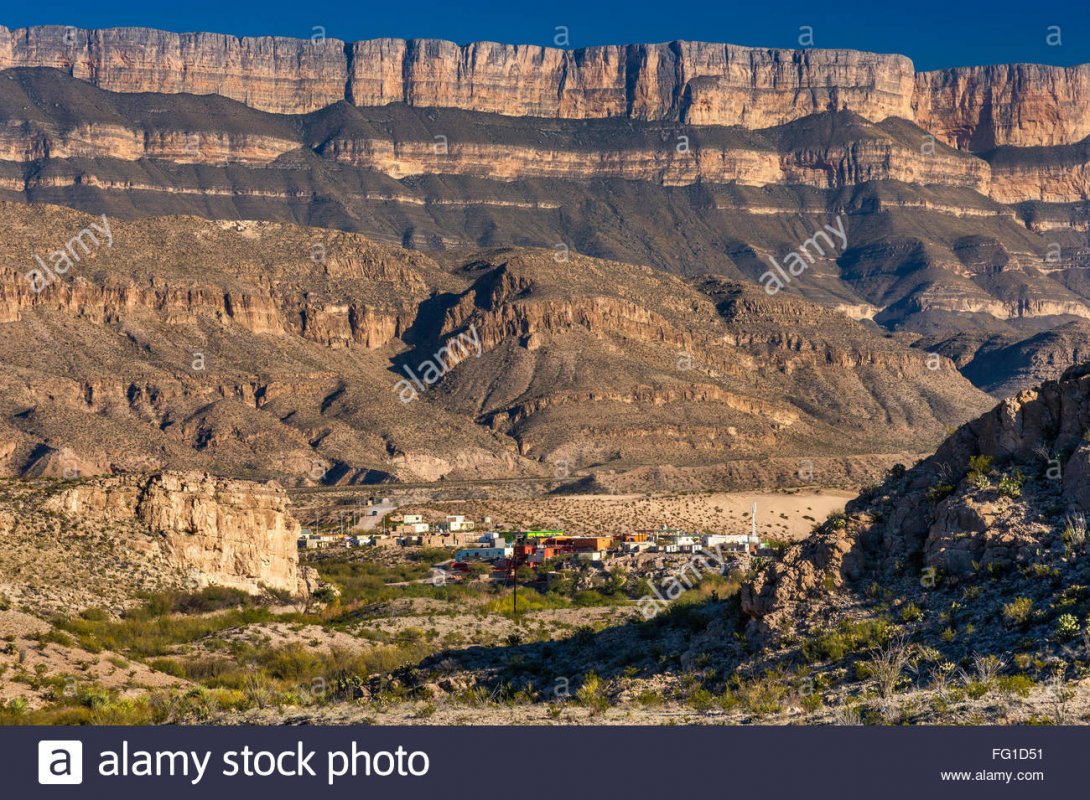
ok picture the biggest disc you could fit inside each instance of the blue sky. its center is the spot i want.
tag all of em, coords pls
(933, 34)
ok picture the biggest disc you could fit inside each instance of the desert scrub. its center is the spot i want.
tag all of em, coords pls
(1067, 627)
(205, 601)
(940, 491)
(1010, 484)
(979, 467)
(911, 613)
(365, 581)
(425, 710)
(848, 638)
(763, 695)
(528, 600)
(55, 636)
(700, 699)
(144, 634)
(1018, 612)
(1074, 532)
(590, 694)
(1020, 685)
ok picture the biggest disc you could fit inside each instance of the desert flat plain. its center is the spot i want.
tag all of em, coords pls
(404, 381)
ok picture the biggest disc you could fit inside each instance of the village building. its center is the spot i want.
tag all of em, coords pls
(483, 553)
(456, 523)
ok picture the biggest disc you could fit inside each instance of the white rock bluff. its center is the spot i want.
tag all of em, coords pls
(216, 531)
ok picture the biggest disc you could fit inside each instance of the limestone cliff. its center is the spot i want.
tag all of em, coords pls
(214, 531)
(1022, 105)
(694, 82)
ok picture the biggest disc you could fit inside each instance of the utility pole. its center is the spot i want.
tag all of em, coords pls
(753, 529)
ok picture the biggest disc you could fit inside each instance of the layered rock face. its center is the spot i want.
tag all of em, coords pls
(696, 83)
(270, 73)
(1022, 105)
(827, 150)
(266, 350)
(703, 84)
(215, 531)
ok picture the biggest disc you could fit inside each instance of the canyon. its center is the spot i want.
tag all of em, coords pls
(268, 350)
(440, 188)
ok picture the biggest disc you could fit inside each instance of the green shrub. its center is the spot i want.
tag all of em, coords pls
(1018, 612)
(848, 638)
(1067, 627)
(1010, 485)
(976, 689)
(940, 491)
(649, 698)
(204, 601)
(701, 699)
(55, 636)
(1020, 685)
(911, 613)
(763, 695)
(837, 521)
(590, 693)
(979, 467)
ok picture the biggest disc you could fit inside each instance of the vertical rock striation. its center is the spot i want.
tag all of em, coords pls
(1023, 105)
(215, 531)
(691, 82)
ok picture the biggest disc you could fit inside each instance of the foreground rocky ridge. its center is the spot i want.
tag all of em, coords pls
(693, 82)
(997, 517)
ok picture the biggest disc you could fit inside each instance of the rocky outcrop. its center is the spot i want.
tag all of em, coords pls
(693, 82)
(213, 530)
(994, 496)
(282, 313)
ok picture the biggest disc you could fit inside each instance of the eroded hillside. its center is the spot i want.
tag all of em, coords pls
(270, 350)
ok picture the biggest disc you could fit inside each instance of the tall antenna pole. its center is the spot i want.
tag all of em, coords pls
(753, 526)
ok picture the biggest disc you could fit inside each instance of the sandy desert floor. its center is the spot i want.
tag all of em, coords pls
(780, 515)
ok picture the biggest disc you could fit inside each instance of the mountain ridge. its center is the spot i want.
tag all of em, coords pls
(269, 350)
(693, 82)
